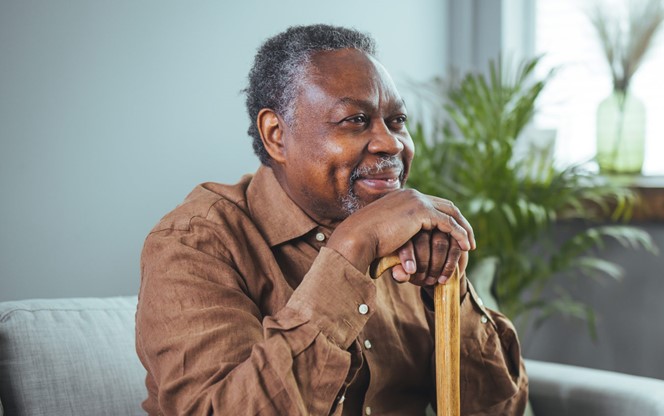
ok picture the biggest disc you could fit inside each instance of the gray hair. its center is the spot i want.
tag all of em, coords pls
(280, 65)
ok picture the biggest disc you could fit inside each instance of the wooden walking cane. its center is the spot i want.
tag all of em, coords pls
(446, 310)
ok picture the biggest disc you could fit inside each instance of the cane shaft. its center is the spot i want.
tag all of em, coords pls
(446, 309)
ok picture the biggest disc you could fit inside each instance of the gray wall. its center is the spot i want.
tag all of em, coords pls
(110, 113)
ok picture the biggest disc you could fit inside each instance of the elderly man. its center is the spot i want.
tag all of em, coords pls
(255, 297)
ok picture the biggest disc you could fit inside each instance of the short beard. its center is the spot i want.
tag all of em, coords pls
(350, 202)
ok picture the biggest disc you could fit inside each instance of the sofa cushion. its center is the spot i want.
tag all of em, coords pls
(70, 357)
(558, 389)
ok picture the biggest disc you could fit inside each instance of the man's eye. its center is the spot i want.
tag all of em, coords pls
(361, 119)
(400, 119)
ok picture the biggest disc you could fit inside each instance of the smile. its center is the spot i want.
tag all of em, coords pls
(381, 182)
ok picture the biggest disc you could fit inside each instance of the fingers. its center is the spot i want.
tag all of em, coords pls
(422, 244)
(423, 256)
(401, 273)
(387, 224)
(459, 228)
(440, 244)
(453, 256)
(414, 256)
(430, 257)
(433, 249)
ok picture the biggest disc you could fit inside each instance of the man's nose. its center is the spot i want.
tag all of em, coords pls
(383, 140)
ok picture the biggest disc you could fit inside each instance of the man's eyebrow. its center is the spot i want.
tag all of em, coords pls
(355, 102)
(396, 104)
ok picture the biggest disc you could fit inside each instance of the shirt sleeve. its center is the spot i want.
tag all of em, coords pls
(208, 349)
(493, 376)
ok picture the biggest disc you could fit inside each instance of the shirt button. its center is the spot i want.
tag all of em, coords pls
(483, 319)
(367, 410)
(320, 237)
(367, 344)
(341, 399)
(363, 309)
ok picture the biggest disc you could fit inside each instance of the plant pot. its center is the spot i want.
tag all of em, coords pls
(621, 127)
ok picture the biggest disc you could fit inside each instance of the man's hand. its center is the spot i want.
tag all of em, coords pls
(428, 258)
(428, 233)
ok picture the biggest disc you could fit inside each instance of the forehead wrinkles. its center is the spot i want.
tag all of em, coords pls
(367, 86)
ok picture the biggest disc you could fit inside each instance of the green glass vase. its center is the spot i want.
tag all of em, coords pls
(621, 132)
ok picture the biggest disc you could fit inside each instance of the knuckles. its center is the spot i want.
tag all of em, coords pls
(456, 212)
(440, 244)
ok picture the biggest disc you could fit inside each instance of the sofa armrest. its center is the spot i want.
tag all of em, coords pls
(557, 389)
(70, 357)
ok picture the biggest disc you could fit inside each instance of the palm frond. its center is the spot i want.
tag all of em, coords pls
(515, 205)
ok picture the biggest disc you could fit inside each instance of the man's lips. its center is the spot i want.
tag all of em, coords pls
(383, 181)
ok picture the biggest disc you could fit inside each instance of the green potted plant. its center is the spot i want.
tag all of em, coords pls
(467, 154)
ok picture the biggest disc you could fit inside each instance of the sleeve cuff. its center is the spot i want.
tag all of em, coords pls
(335, 297)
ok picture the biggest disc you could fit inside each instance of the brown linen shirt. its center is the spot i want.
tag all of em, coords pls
(232, 320)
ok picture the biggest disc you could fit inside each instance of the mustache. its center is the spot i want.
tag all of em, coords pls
(384, 163)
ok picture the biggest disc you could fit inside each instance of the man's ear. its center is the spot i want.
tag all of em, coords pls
(271, 129)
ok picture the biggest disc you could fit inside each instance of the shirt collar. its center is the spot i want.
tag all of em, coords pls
(278, 217)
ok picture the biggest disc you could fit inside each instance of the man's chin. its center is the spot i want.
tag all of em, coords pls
(356, 199)
(366, 199)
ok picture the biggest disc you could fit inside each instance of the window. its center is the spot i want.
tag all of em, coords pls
(568, 105)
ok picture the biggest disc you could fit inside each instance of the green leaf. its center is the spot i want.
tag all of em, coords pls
(466, 154)
(591, 265)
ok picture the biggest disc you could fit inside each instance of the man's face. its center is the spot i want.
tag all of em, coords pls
(347, 145)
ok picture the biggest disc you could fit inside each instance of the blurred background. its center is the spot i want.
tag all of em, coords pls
(111, 112)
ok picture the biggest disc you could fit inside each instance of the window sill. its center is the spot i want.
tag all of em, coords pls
(650, 193)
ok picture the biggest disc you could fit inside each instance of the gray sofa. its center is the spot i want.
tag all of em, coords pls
(76, 357)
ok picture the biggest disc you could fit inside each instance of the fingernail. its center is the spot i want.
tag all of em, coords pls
(442, 279)
(410, 266)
